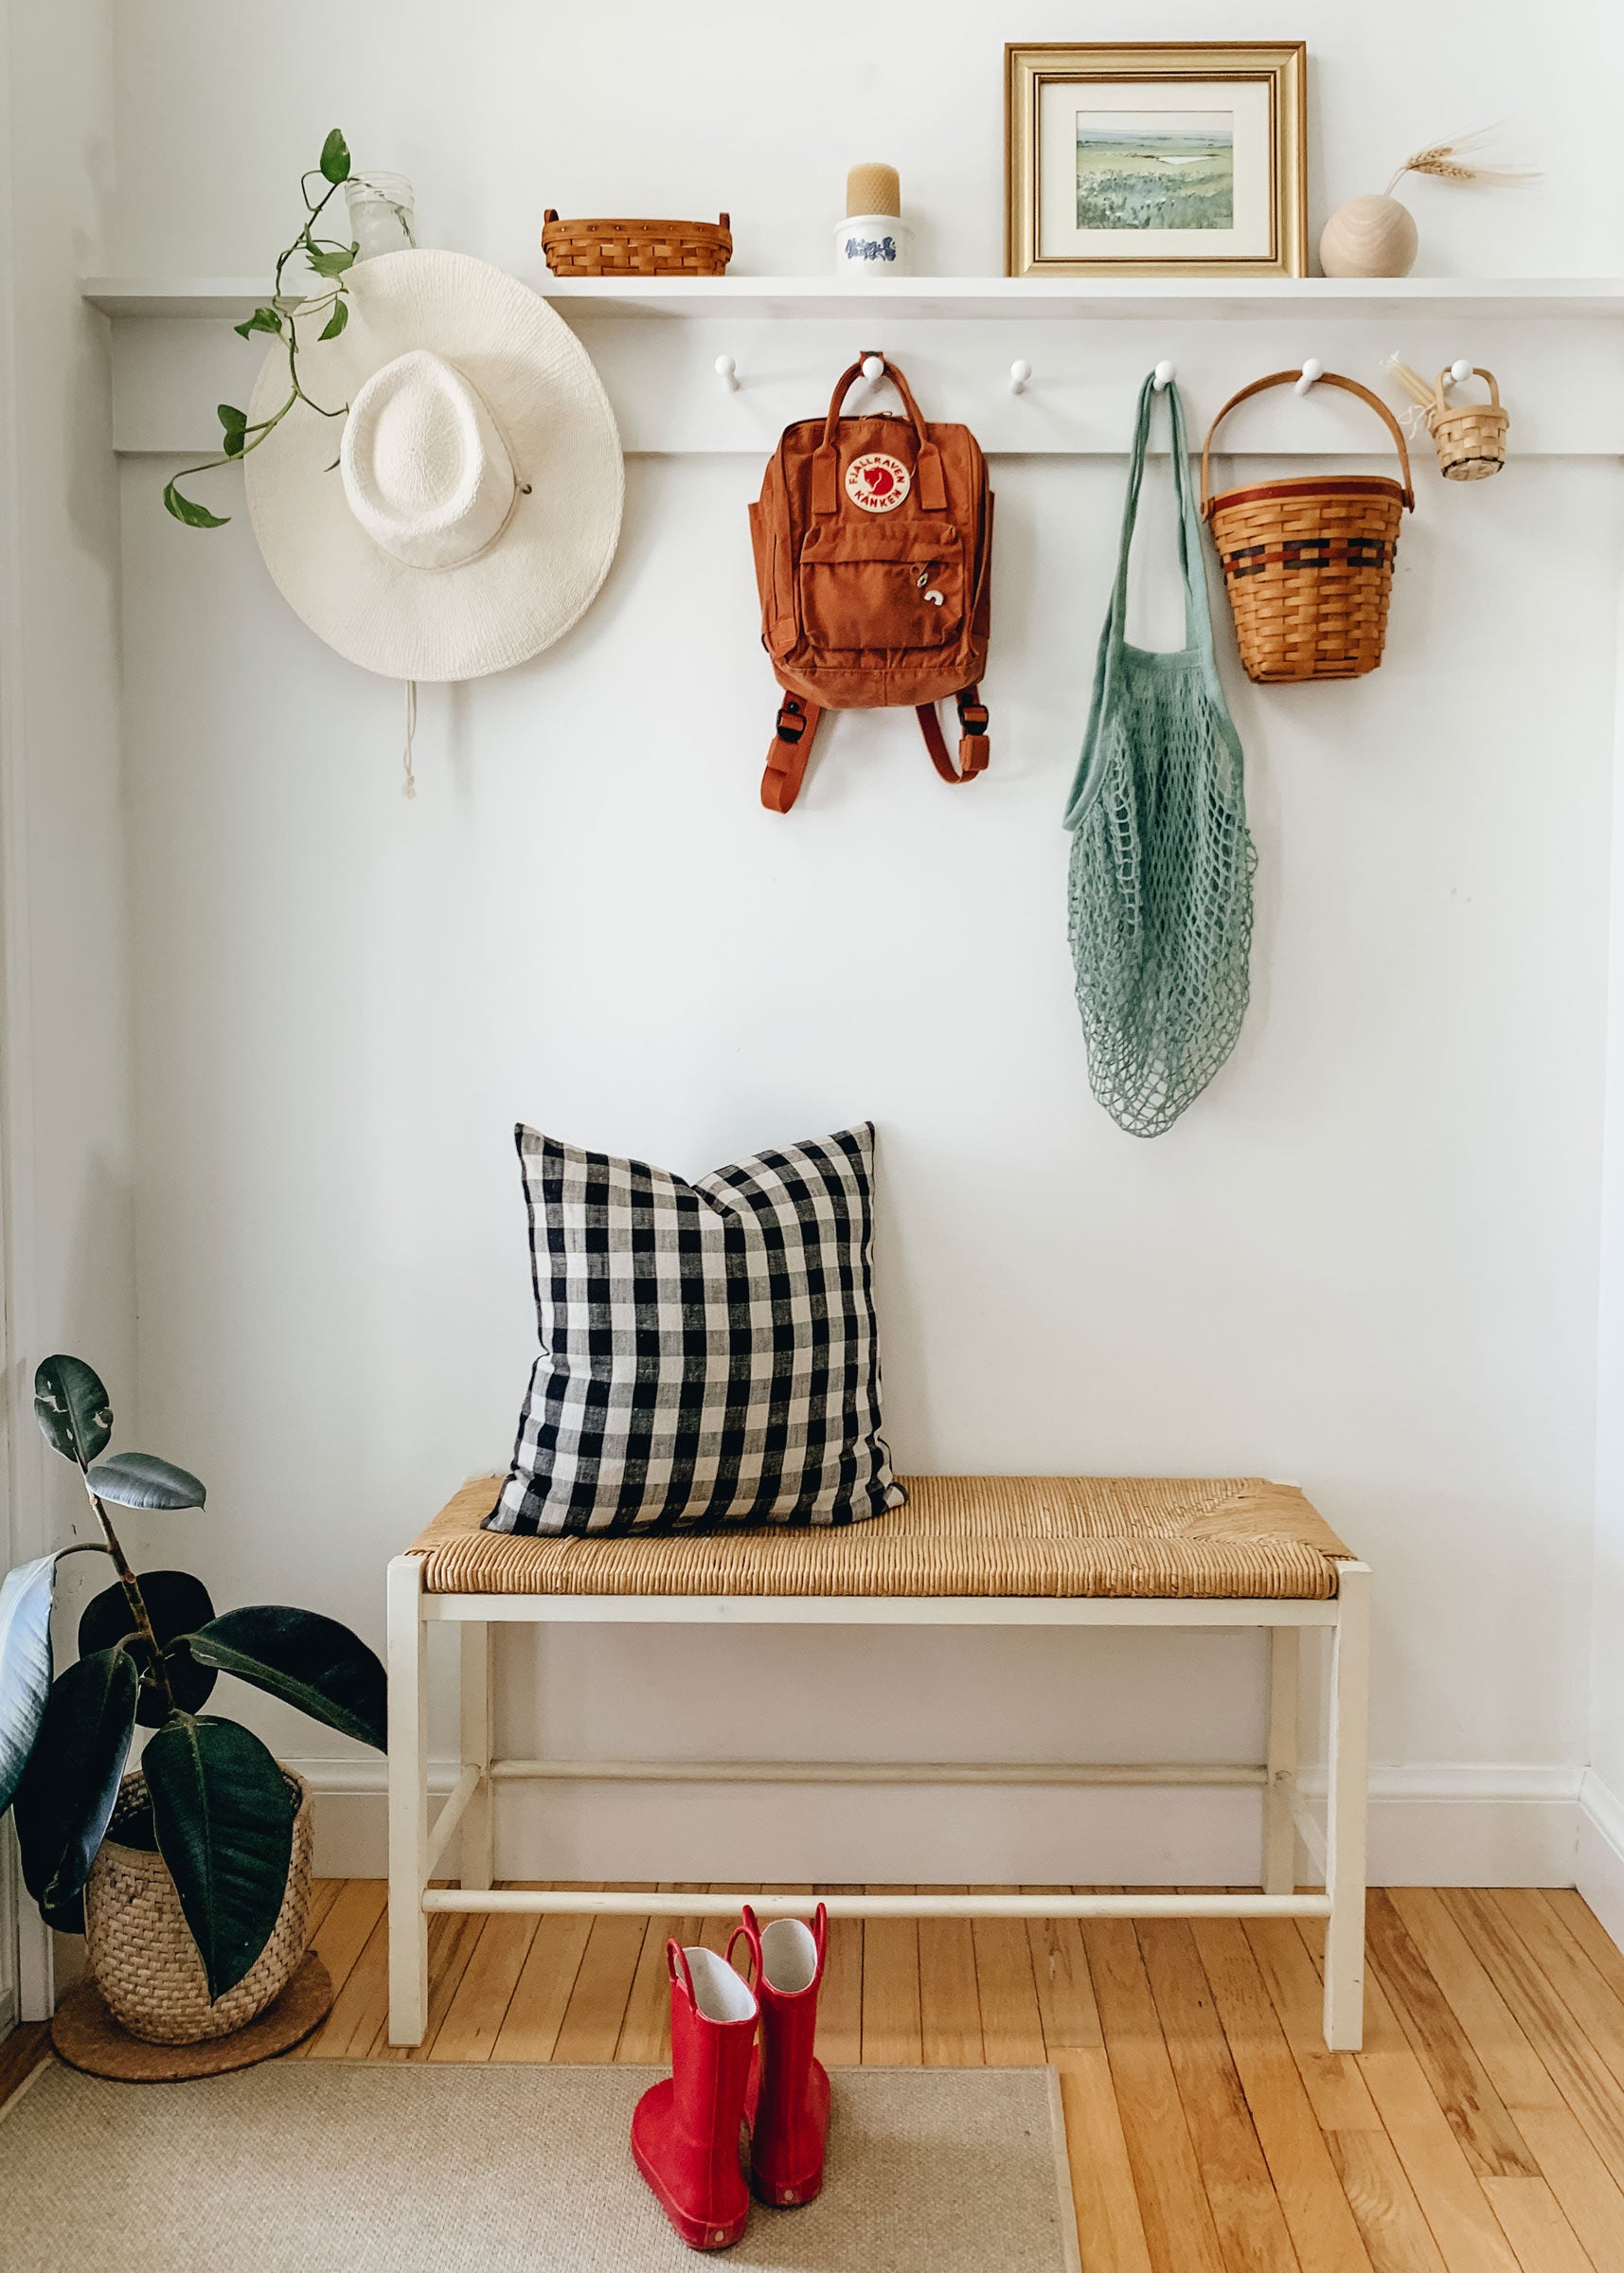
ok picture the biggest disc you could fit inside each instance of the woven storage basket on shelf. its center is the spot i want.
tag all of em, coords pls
(1308, 564)
(1470, 436)
(636, 248)
(141, 1953)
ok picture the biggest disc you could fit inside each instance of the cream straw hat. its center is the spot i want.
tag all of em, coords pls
(475, 506)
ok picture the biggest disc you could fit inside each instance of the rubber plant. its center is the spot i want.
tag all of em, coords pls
(329, 258)
(150, 1649)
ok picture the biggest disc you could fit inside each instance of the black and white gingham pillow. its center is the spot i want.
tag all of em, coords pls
(708, 1350)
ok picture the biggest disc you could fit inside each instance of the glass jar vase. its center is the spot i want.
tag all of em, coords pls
(380, 214)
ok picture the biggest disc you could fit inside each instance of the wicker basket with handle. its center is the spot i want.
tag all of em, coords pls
(1470, 436)
(141, 1953)
(636, 248)
(1308, 562)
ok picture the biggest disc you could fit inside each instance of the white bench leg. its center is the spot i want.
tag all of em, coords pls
(1345, 1811)
(408, 1803)
(478, 1831)
(1279, 1795)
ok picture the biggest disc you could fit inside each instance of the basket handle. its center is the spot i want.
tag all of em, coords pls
(1477, 372)
(1349, 386)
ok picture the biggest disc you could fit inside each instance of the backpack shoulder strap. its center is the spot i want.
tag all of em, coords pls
(788, 752)
(973, 747)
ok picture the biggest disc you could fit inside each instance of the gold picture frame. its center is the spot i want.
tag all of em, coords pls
(1215, 152)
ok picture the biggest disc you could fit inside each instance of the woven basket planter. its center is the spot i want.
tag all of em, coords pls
(1469, 437)
(142, 1956)
(636, 248)
(1308, 564)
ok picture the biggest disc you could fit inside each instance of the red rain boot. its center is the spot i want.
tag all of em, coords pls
(788, 2104)
(685, 2131)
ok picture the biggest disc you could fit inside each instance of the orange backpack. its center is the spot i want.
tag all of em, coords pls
(873, 540)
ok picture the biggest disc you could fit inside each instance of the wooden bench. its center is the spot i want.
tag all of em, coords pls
(966, 1551)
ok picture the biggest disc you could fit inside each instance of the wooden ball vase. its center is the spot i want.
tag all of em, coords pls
(1368, 237)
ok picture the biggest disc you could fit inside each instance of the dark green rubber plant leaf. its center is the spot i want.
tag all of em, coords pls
(225, 1818)
(65, 1917)
(140, 1479)
(176, 1602)
(24, 1666)
(73, 1410)
(307, 1661)
(67, 1795)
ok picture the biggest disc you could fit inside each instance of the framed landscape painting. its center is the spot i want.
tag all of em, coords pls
(1156, 160)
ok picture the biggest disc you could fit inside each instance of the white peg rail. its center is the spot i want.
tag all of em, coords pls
(723, 365)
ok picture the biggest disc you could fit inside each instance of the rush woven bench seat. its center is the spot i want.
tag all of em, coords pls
(1226, 1553)
(1070, 1535)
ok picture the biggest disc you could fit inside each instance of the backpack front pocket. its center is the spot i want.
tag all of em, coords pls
(882, 587)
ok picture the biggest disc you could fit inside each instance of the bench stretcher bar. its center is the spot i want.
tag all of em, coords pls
(415, 1851)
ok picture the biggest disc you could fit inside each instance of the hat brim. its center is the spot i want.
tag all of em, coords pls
(544, 570)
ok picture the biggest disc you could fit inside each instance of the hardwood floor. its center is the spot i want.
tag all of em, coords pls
(1480, 2131)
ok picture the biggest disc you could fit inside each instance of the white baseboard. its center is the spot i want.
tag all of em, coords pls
(1445, 1823)
(1599, 1873)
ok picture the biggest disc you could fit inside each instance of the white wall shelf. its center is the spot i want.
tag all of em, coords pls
(916, 300)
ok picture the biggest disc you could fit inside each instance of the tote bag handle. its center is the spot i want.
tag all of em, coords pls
(1198, 615)
(1349, 386)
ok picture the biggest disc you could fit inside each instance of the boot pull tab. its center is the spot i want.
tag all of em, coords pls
(677, 1966)
(749, 1933)
(820, 1935)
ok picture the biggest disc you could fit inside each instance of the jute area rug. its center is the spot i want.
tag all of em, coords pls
(319, 2167)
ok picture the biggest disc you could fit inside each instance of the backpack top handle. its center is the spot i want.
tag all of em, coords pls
(1349, 386)
(931, 486)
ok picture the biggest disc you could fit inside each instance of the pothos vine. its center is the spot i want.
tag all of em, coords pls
(330, 258)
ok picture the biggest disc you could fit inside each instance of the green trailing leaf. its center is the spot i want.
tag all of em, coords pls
(332, 263)
(335, 158)
(73, 1408)
(67, 1795)
(140, 1479)
(307, 1661)
(224, 1819)
(262, 319)
(24, 1666)
(188, 510)
(176, 1602)
(336, 321)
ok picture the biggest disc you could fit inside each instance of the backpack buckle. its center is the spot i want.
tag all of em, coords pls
(790, 716)
(972, 717)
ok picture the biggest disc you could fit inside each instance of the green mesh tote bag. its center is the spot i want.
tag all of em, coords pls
(1160, 900)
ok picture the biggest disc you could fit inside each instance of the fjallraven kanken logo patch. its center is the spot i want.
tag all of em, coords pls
(877, 483)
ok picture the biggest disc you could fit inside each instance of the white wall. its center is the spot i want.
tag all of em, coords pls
(64, 1121)
(1366, 1259)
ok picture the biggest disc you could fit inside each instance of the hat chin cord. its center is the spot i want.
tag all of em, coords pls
(409, 786)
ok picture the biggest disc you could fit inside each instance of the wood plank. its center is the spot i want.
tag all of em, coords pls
(20, 2053)
(950, 2000)
(1179, 2231)
(1570, 1973)
(1592, 2202)
(1383, 2203)
(840, 2003)
(1335, 2088)
(450, 1950)
(591, 2026)
(1460, 2085)
(892, 2031)
(1464, 2227)
(1110, 2230)
(1542, 2237)
(1518, 2073)
(1316, 2212)
(1588, 2086)
(1571, 1910)
(1011, 2024)
(1251, 2229)
(479, 2006)
(347, 1924)
(645, 2036)
(324, 1893)
(1060, 1969)
(360, 2015)
(540, 1995)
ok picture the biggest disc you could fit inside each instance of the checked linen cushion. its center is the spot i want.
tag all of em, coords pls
(708, 1350)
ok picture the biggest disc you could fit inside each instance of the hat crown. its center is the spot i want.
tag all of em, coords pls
(425, 466)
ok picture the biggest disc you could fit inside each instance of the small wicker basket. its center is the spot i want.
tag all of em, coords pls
(141, 1953)
(1469, 437)
(636, 248)
(1308, 564)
